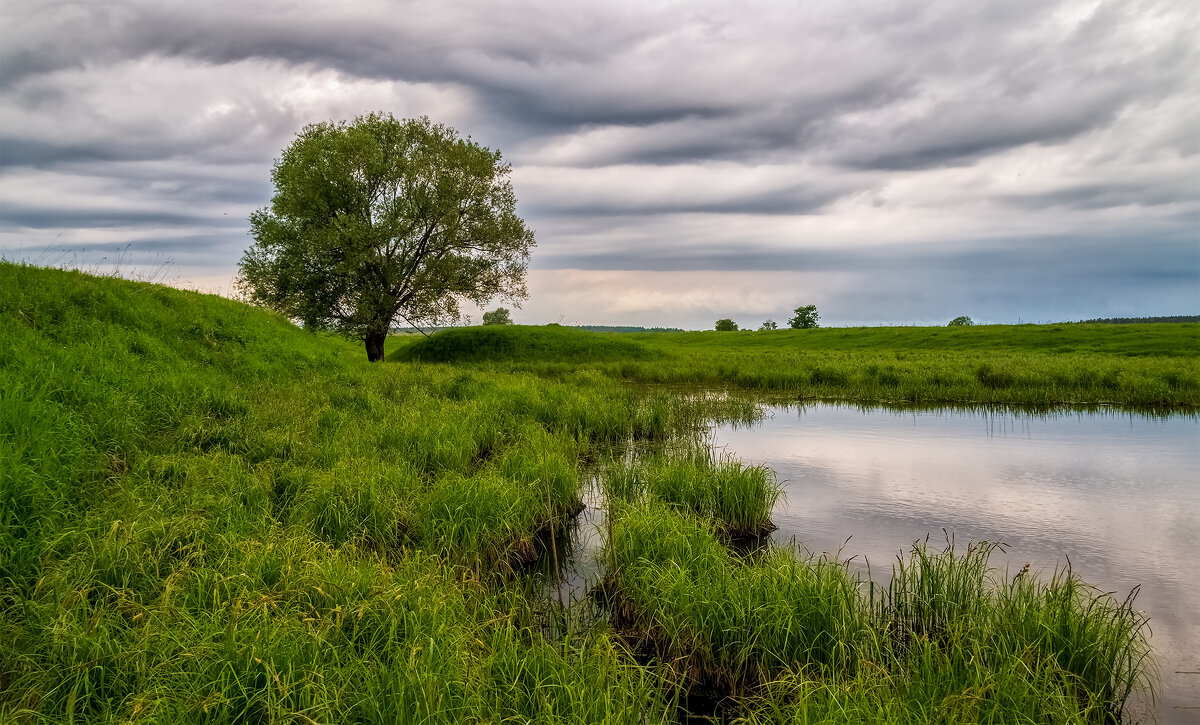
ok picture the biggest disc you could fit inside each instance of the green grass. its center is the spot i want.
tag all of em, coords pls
(209, 514)
(948, 640)
(521, 343)
(1136, 366)
(728, 622)
(205, 511)
(738, 498)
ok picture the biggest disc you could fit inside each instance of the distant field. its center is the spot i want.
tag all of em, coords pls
(1140, 366)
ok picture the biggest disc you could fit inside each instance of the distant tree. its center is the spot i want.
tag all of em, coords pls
(498, 316)
(726, 325)
(379, 221)
(806, 318)
(961, 321)
(769, 325)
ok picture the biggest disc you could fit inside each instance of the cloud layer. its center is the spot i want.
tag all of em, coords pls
(904, 162)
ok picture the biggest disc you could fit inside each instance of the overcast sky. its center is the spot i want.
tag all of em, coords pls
(891, 162)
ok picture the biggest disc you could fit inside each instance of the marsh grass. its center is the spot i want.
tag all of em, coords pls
(736, 497)
(796, 639)
(729, 623)
(1094, 641)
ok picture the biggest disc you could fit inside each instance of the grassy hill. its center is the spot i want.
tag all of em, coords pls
(521, 343)
(206, 511)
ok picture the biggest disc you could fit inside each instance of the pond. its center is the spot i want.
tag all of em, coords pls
(1115, 494)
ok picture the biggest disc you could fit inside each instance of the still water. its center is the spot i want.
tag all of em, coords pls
(1115, 494)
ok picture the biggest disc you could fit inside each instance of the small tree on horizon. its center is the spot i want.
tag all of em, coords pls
(961, 321)
(726, 325)
(498, 316)
(769, 325)
(806, 318)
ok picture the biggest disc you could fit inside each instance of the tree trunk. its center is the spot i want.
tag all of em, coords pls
(375, 342)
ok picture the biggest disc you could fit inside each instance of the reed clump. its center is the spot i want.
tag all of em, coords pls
(736, 497)
(1092, 644)
(797, 639)
(729, 623)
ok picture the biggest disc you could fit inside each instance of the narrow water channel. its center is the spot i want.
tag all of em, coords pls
(1115, 494)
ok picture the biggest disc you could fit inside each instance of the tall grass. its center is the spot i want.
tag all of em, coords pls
(206, 512)
(802, 640)
(738, 498)
(730, 623)
(1093, 641)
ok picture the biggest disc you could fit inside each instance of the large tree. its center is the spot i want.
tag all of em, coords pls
(382, 220)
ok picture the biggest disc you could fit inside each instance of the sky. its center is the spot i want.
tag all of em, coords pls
(894, 162)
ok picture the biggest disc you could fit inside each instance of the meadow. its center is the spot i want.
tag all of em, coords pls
(1145, 366)
(209, 514)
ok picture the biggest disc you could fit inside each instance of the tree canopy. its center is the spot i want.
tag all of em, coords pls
(726, 325)
(806, 318)
(961, 321)
(498, 316)
(382, 220)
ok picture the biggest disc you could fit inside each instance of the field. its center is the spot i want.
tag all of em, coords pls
(209, 514)
(1150, 366)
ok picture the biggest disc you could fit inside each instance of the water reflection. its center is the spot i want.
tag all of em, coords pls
(1117, 495)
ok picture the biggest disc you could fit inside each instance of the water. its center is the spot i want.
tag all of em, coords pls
(1115, 494)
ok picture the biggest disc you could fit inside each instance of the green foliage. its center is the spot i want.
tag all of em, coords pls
(726, 325)
(1153, 366)
(380, 220)
(805, 318)
(769, 325)
(961, 321)
(722, 617)
(498, 316)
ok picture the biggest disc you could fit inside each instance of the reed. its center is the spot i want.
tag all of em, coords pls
(801, 640)
(730, 623)
(738, 498)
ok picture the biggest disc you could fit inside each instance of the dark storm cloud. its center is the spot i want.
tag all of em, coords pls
(1174, 258)
(55, 218)
(778, 201)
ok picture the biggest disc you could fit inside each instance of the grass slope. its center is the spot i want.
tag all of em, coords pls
(207, 512)
(521, 343)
